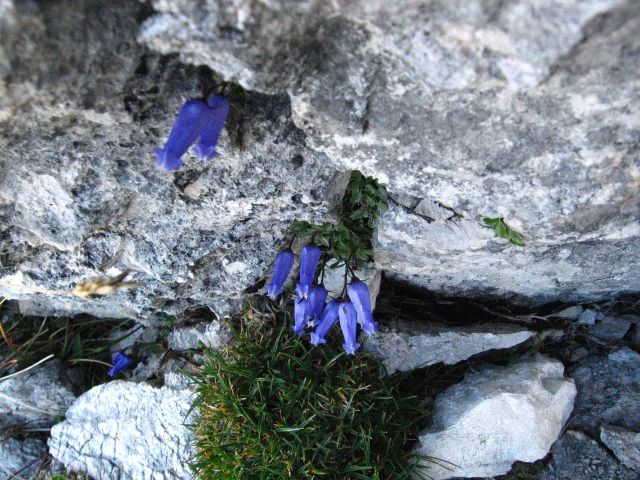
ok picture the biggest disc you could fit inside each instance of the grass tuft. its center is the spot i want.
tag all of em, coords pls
(272, 407)
(81, 341)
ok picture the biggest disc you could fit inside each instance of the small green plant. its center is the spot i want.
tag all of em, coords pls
(349, 241)
(345, 244)
(272, 407)
(503, 230)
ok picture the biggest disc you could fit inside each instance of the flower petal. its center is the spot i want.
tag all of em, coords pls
(120, 362)
(189, 124)
(206, 147)
(348, 324)
(317, 298)
(309, 257)
(300, 315)
(359, 294)
(284, 263)
(327, 320)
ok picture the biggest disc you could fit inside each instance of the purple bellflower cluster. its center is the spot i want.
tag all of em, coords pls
(120, 362)
(310, 310)
(197, 120)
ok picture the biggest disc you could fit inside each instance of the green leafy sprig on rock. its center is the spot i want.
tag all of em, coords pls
(349, 240)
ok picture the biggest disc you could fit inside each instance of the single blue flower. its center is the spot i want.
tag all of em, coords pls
(359, 295)
(317, 298)
(120, 362)
(349, 324)
(327, 320)
(284, 263)
(309, 258)
(300, 315)
(206, 147)
(190, 123)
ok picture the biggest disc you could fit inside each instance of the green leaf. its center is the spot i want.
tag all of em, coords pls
(77, 346)
(356, 196)
(370, 189)
(324, 241)
(492, 222)
(358, 214)
(503, 230)
(516, 238)
(350, 238)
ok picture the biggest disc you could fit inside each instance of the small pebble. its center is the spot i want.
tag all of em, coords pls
(588, 317)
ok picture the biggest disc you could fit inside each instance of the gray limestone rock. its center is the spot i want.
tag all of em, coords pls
(635, 336)
(405, 345)
(173, 378)
(146, 369)
(588, 317)
(577, 457)
(35, 397)
(608, 392)
(22, 456)
(623, 443)
(496, 416)
(570, 313)
(138, 334)
(80, 196)
(612, 329)
(523, 110)
(128, 431)
(209, 335)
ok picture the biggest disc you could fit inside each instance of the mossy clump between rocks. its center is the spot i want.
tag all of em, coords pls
(273, 407)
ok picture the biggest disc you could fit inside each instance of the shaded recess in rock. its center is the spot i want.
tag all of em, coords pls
(402, 300)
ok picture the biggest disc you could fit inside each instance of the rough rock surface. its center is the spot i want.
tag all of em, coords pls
(624, 444)
(468, 108)
(127, 431)
(80, 197)
(578, 457)
(496, 416)
(574, 312)
(36, 397)
(588, 317)
(635, 336)
(404, 345)
(211, 335)
(519, 109)
(612, 329)
(20, 456)
(608, 392)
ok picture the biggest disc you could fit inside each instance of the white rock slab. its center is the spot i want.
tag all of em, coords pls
(496, 416)
(404, 346)
(126, 431)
